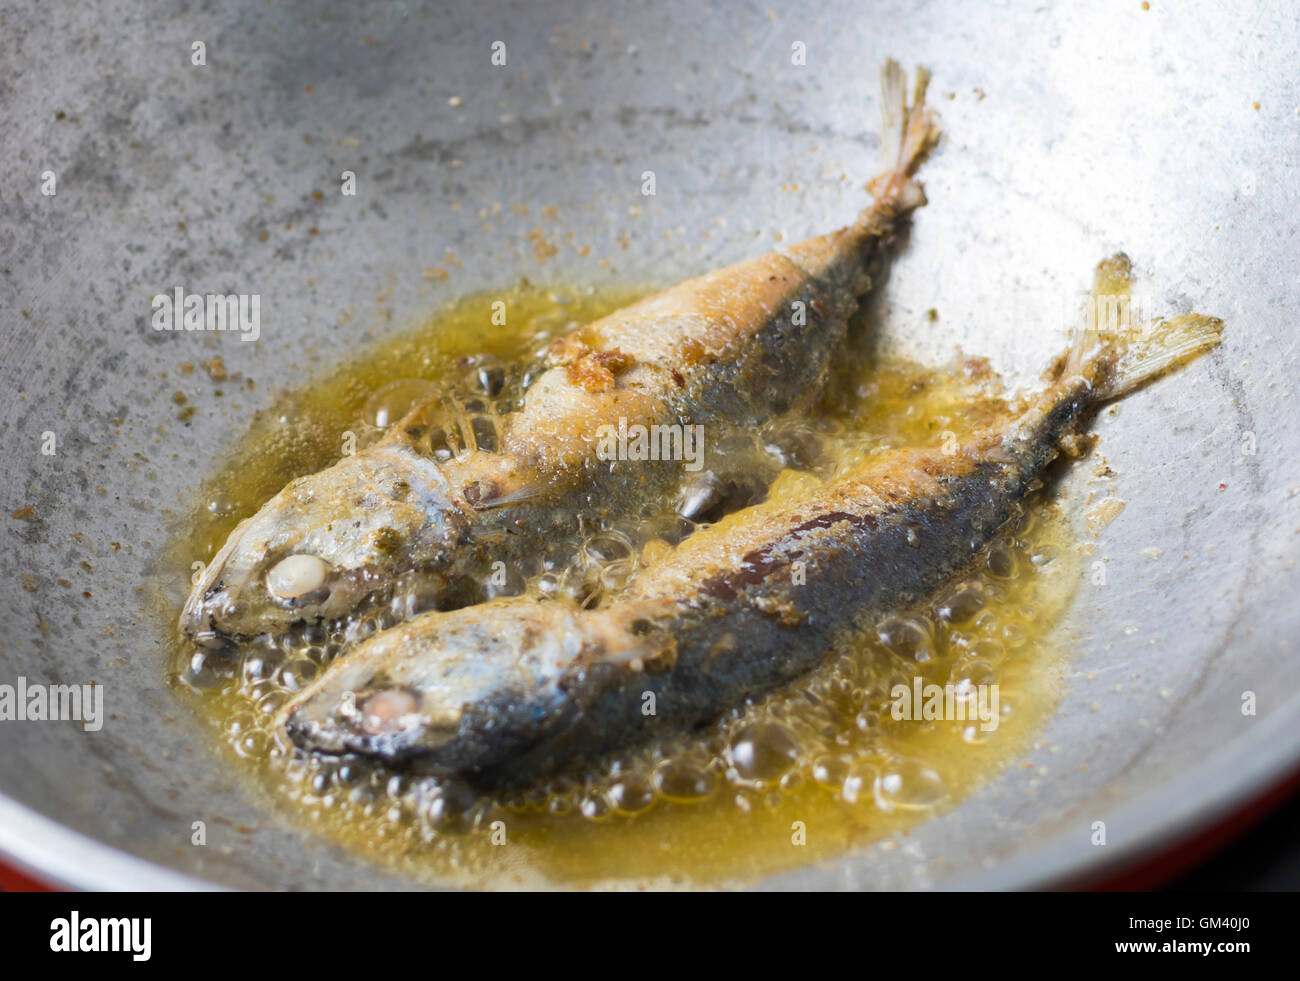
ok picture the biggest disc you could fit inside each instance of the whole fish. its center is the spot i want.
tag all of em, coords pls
(736, 347)
(510, 690)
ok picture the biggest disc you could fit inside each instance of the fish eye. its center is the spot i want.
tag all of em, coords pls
(384, 709)
(297, 575)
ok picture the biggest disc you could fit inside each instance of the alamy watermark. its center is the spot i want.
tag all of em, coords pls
(1105, 315)
(179, 310)
(928, 702)
(639, 443)
(102, 934)
(53, 703)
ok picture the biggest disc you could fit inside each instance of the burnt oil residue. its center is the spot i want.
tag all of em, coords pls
(819, 768)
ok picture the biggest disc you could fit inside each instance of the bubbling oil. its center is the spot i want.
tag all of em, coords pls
(817, 769)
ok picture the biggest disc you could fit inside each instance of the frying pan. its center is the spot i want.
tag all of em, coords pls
(1072, 131)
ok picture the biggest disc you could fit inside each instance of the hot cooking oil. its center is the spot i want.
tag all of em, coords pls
(819, 769)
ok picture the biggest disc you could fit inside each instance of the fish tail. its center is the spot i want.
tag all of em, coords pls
(1157, 346)
(1129, 358)
(909, 132)
(1115, 352)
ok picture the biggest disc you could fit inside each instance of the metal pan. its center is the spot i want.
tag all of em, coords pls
(1169, 132)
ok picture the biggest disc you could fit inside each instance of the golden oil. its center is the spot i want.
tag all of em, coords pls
(810, 773)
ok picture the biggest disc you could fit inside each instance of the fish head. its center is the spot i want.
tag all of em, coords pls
(456, 692)
(325, 546)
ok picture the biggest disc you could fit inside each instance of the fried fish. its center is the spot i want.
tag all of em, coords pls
(514, 689)
(733, 348)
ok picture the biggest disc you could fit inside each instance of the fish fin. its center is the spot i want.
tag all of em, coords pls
(1134, 357)
(908, 134)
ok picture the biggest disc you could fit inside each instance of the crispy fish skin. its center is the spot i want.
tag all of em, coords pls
(724, 348)
(508, 691)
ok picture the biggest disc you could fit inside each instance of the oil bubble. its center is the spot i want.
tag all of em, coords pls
(830, 771)
(859, 781)
(989, 650)
(395, 400)
(271, 703)
(206, 670)
(763, 753)
(632, 796)
(450, 811)
(908, 637)
(1043, 556)
(974, 675)
(1014, 635)
(910, 785)
(1001, 561)
(684, 780)
(964, 602)
(297, 674)
(253, 744)
(596, 807)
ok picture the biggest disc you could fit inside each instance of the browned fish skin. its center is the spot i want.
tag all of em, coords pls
(511, 690)
(725, 349)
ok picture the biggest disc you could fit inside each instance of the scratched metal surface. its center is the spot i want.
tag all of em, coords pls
(1070, 134)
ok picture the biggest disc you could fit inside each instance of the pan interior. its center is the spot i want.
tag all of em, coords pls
(1169, 134)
